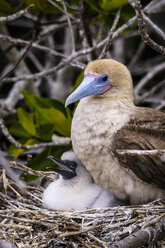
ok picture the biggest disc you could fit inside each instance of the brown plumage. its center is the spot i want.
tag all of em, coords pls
(143, 133)
(105, 120)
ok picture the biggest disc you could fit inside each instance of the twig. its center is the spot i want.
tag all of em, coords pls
(16, 226)
(56, 6)
(27, 48)
(149, 92)
(154, 221)
(17, 14)
(154, 26)
(70, 27)
(27, 169)
(84, 29)
(137, 55)
(11, 173)
(136, 4)
(72, 57)
(98, 240)
(59, 140)
(67, 234)
(35, 45)
(110, 35)
(153, 71)
(160, 152)
(142, 237)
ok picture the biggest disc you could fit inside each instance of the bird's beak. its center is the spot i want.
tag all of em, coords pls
(67, 168)
(91, 85)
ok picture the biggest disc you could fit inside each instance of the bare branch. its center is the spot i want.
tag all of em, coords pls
(62, 141)
(56, 6)
(142, 237)
(84, 30)
(153, 71)
(160, 152)
(154, 26)
(137, 55)
(110, 35)
(136, 4)
(70, 27)
(16, 15)
(150, 92)
(15, 41)
(27, 48)
(11, 173)
(71, 58)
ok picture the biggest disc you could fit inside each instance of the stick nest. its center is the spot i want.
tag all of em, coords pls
(26, 223)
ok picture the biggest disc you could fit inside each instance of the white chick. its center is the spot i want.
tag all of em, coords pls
(75, 188)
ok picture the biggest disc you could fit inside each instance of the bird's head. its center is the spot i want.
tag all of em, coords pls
(104, 78)
(70, 168)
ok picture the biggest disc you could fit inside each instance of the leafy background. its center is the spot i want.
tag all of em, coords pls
(37, 111)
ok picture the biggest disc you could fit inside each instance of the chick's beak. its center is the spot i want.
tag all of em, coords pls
(66, 168)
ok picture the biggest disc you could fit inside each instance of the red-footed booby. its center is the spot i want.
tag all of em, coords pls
(105, 120)
(75, 188)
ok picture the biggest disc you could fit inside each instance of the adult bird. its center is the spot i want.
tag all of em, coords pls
(106, 120)
(75, 188)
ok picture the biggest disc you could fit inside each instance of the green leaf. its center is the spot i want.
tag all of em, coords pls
(16, 151)
(30, 178)
(26, 120)
(5, 8)
(41, 117)
(108, 5)
(41, 162)
(35, 102)
(46, 131)
(61, 124)
(17, 130)
(94, 5)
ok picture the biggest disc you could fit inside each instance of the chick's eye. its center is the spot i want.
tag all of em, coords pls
(105, 77)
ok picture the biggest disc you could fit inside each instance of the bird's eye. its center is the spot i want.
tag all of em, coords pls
(105, 77)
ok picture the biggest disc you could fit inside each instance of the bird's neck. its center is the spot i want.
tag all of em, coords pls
(113, 102)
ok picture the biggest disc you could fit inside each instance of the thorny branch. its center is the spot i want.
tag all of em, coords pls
(142, 27)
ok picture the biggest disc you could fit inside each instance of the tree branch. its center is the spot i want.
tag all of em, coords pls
(17, 14)
(110, 35)
(136, 4)
(70, 27)
(160, 152)
(142, 237)
(57, 141)
(152, 72)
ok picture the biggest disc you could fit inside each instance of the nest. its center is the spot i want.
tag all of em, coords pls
(26, 223)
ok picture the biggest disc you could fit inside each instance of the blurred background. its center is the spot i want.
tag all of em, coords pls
(44, 47)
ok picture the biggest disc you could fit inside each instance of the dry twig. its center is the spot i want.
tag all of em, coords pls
(62, 141)
(16, 15)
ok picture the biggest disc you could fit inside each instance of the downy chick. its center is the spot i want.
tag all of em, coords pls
(75, 188)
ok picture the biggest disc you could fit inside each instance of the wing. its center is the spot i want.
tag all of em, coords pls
(145, 131)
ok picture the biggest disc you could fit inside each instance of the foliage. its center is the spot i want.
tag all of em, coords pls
(46, 117)
(43, 35)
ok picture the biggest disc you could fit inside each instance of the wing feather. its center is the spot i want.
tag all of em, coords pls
(145, 131)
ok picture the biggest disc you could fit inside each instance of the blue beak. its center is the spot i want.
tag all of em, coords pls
(91, 85)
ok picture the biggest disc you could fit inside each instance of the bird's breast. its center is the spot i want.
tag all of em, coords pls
(93, 128)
